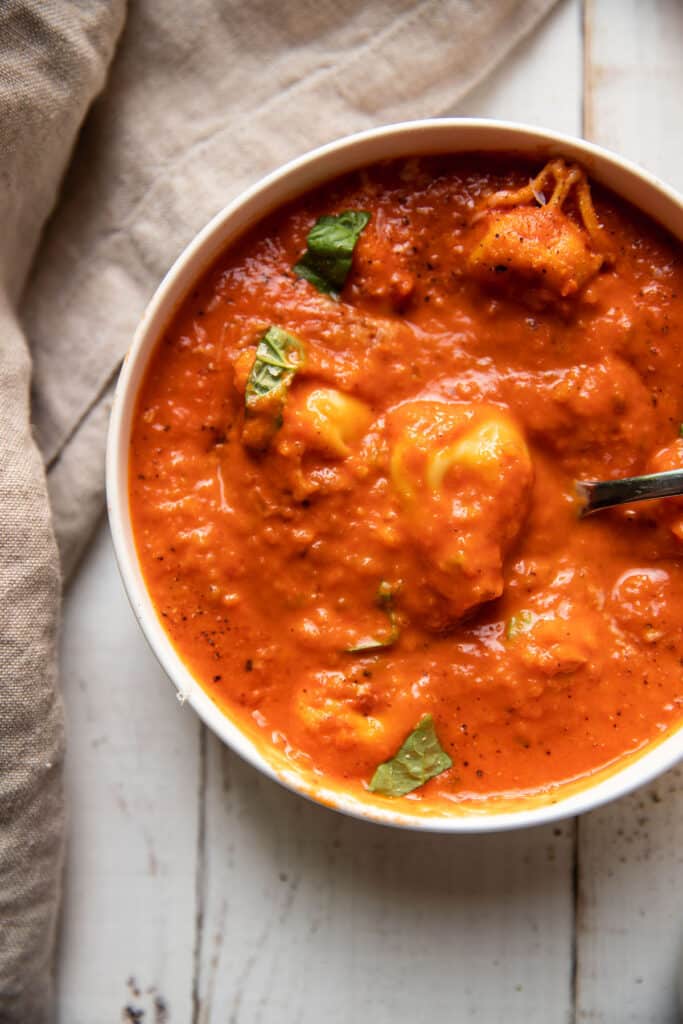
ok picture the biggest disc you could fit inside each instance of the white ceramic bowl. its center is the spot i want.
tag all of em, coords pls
(408, 139)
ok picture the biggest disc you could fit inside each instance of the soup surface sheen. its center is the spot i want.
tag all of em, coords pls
(398, 536)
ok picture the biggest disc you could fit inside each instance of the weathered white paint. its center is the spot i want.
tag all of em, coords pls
(133, 781)
(541, 82)
(238, 903)
(311, 916)
(630, 909)
(634, 75)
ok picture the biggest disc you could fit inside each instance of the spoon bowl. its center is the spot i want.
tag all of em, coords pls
(598, 494)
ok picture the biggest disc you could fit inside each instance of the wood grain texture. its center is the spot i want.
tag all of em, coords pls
(312, 916)
(630, 909)
(633, 76)
(132, 776)
(541, 82)
(198, 890)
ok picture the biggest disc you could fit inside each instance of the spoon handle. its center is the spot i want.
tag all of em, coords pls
(597, 494)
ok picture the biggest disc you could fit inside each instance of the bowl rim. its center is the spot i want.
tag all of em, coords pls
(660, 202)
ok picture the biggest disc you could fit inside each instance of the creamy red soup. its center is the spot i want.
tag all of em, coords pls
(352, 475)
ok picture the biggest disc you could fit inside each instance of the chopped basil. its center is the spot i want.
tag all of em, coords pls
(680, 430)
(520, 623)
(331, 241)
(385, 600)
(420, 759)
(273, 368)
(278, 356)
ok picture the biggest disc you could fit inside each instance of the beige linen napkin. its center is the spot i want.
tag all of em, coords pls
(52, 62)
(202, 98)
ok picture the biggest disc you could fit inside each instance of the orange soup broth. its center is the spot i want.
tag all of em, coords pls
(264, 567)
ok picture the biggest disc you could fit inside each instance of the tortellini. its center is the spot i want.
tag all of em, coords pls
(339, 711)
(326, 421)
(536, 240)
(463, 475)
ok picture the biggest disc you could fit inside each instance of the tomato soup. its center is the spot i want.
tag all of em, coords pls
(352, 480)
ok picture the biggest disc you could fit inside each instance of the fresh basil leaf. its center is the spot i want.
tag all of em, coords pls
(385, 599)
(420, 759)
(273, 367)
(520, 623)
(331, 241)
(278, 357)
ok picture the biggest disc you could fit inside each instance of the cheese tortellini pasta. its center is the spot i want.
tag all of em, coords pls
(528, 235)
(327, 421)
(463, 475)
(344, 713)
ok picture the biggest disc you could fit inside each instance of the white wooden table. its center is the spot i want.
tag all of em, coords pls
(197, 891)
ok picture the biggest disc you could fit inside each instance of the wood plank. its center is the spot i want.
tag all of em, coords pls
(630, 907)
(308, 916)
(634, 74)
(132, 780)
(541, 82)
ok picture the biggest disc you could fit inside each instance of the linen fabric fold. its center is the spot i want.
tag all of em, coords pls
(53, 60)
(201, 99)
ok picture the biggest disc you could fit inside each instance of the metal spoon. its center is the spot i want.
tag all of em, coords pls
(598, 494)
